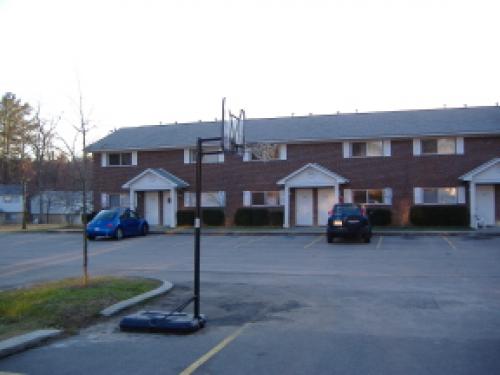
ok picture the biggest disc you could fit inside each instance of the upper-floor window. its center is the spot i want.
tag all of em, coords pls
(208, 199)
(265, 152)
(11, 198)
(438, 146)
(212, 156)
(440, 195)
(363, 149)
(118, 159)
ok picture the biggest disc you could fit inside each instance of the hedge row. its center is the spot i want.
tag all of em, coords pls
(252, 216)
(439, 215)
(209, 216)
(379, 216)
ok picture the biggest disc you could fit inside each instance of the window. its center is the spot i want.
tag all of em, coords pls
(208, 199)
(11, 198)
(370, 196)
(264, 198)
(265, 152)
(446, 195)
(120, 159)
(440, 146)
(207, 159)
(368, 149)
(114, 200)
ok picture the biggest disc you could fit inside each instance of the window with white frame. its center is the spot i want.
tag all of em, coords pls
(208, 199)
(439, 195)
(438, 146)
(369, 196)
(262, 198)
(365, 149)
(265, 152)
(11, 198)
(120, 159)
(216, 157)
(114, 200)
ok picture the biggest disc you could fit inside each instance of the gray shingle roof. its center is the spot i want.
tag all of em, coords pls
(11, 189)
(178, 181)
(395, 124)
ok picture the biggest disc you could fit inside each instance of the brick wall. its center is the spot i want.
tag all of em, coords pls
(401, 172)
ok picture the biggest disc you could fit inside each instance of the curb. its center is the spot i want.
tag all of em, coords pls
(117, 307)
(29, 340)
(376, 233)
(21, 343)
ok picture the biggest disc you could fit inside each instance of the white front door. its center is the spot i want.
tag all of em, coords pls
(485, 204)
(325, 203)
(151, 207)
(167, 209)
(303, 207)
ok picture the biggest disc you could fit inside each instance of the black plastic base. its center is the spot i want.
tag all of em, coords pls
(159, 321)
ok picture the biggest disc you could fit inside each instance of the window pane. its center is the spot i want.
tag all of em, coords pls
(374, 148)
(375, 196)
(114, 200)
(114, 159)
(272, 198)
(429, 146)
(127, 159)
(359, 196)
(211, 158)
(358, 149)
(446, 146)
(265, 152)
(210, 199)
(447, 195)
(430, 196)
(258, 198)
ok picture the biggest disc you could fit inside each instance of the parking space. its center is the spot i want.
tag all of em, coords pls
(284, 304)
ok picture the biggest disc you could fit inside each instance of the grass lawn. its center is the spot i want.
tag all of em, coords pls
(64, 304)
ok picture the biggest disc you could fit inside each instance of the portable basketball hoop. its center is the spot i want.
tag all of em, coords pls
(232, 140)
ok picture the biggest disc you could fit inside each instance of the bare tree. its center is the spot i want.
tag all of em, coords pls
(43, 146)
(81, 130)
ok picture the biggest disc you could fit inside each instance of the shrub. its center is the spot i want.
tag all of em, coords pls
(209, 216)
(379, 216)
(256, 216)
(213, 216)
(439, 215)
(185, 217)
(276, 218)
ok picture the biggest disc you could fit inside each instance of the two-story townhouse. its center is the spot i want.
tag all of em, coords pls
(386, 159)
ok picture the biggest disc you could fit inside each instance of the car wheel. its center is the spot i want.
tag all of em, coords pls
(367, 238)
(144, 230)
(329, 238)
(91, 238)
(119, 234)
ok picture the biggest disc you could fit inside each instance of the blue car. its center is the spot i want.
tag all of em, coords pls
(117, 223)
(348, 220)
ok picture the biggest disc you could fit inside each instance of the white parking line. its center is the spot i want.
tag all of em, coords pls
(314, 241)
(449, 242)
(381, 238)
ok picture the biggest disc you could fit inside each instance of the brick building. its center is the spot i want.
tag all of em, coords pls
(382, 159)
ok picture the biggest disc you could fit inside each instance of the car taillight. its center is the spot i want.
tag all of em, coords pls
(363, 211)
(330, 212)
(109, 225)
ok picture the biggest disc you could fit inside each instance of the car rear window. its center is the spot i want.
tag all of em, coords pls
(346, 210)
(105, 215)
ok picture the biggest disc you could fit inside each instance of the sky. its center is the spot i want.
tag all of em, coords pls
(146, 62)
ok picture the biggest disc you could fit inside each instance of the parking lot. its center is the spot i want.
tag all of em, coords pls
(282, 304)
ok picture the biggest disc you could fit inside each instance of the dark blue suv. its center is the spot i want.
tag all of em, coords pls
(348, 220)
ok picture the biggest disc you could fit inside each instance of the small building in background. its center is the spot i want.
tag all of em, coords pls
(59, 207)
(11, 204)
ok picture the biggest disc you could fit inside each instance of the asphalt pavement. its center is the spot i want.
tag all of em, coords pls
(282, 304)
